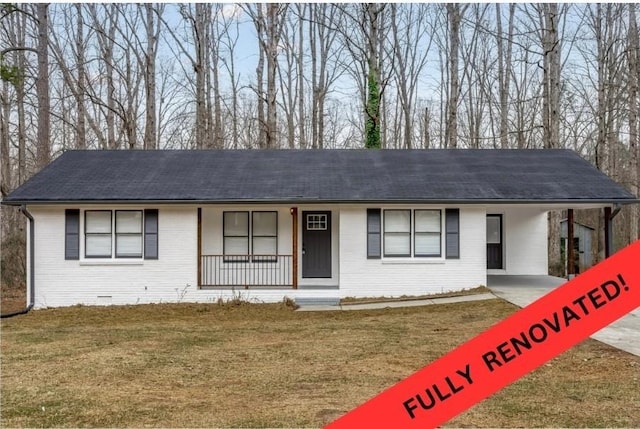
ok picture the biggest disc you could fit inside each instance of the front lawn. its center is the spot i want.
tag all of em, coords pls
(252, 365)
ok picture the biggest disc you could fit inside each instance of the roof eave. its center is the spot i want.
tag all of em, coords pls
(623, 201)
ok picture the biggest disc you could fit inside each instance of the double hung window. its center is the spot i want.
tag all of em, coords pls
(109, 233)
(412, 233)
(252, 234)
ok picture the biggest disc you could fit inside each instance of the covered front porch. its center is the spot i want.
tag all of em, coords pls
(267, 247)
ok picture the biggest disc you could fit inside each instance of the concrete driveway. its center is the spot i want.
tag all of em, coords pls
(623, 334)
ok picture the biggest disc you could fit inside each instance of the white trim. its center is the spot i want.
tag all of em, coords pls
(425, 260)
(120, 261)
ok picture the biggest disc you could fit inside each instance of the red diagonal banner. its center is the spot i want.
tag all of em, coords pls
(508, 350)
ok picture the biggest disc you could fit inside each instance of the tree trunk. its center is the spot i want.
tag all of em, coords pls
(453, 12)
(632, 55)
(43, 151)
(302, 140)
(504, 72)
(5, 147)
(262, 124)
(201, 119)
(81, 129)
(372, 108)
(150, 137)
(551, 79)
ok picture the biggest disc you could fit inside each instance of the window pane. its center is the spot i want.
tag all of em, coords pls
(265, 223)
(264, 246)
(493, 229)
(236, 246)
(427, 220)
(98, 222)
(129, 222)
(397, 221)
(316, 222)
(129, 245)
(427, 244)
(98, 245)
(397, 244)
(236, 223)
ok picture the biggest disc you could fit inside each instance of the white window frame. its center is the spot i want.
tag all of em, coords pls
(412, 253)
(415, 232)
(250, 239)
(112, 234)
(317, 222)
(128, 234)
(386, 233)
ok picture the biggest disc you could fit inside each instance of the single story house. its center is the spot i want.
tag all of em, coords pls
(128, 227)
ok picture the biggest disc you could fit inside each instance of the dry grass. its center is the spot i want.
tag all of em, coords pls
(463, 292)
(267, 366)
(12, 299)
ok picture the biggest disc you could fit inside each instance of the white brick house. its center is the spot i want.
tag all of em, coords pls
(119, 227)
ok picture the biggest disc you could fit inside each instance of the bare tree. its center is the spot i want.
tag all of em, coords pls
(326, 63)
(632, 55)
(43, 148)
(228, 35)
(454, 14)
(504, 71)
(152, 28)
(269, 26)
(411, 51)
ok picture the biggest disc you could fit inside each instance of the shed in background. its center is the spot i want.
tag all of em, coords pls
(582, 241)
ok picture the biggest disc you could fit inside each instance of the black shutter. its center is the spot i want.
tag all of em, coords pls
(373, 233)
(452, 226)
(72, 234)
(151, 234)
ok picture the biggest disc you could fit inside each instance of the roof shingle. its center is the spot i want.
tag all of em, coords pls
(463, 175)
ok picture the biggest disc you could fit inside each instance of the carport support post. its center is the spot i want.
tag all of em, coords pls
(569, 245)
(608, 232)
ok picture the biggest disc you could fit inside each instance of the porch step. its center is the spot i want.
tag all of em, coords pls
(303, 302)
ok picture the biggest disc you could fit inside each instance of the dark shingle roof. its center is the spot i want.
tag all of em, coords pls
(472, 176)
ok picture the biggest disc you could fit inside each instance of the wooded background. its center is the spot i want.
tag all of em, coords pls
(185, 76)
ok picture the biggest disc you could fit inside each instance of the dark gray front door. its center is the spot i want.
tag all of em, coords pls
(494, 242)
(316, 244)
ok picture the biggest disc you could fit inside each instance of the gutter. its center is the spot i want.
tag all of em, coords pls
(303, 200)
(616, 209)
(31, 286)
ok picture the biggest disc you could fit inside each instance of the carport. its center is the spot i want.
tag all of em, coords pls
(623, 334)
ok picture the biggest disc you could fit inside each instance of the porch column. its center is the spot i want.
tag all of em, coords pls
(294, 235)
(569, 245)
(199, 247)
(608, 232)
